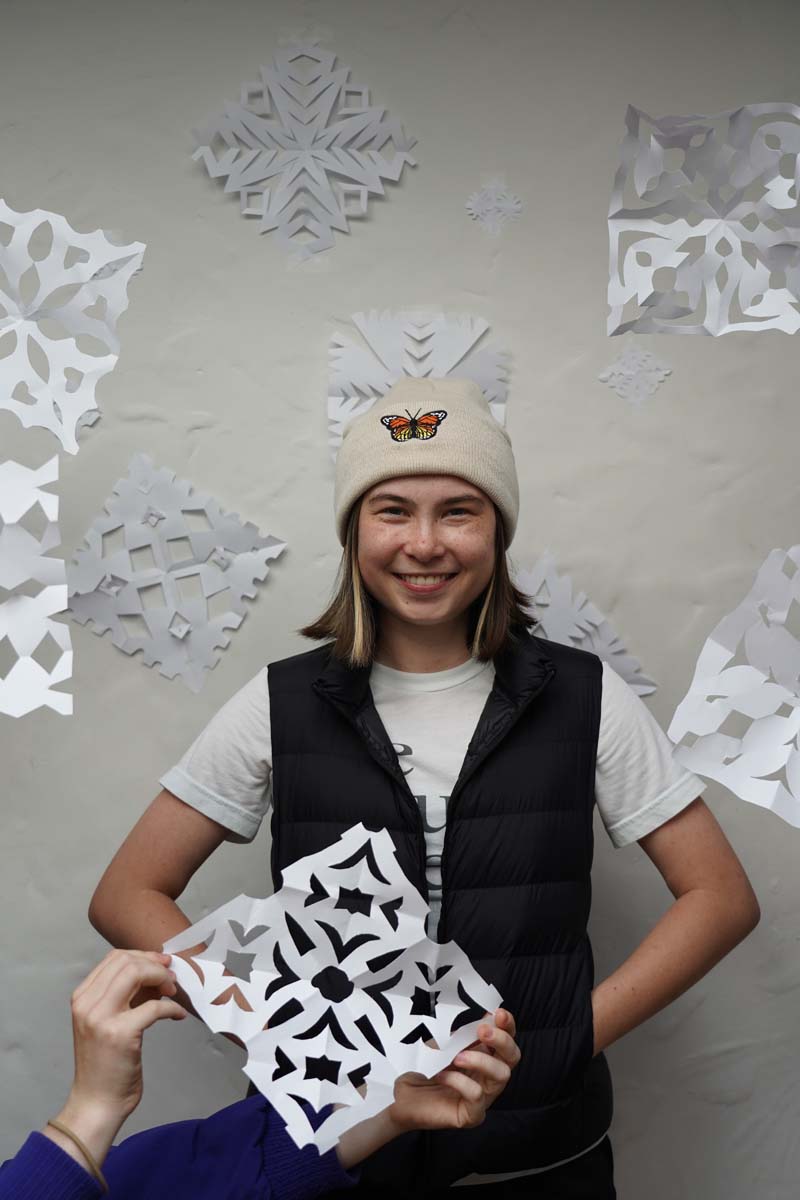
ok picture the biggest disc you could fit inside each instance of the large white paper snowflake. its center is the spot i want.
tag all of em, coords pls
(739, 722)
(493, 206)
(304, 148)
(704, 223)
(177, 576)
(574, 620)
(40, 646)
(333, 986)
(635, 375)
(61, 295)
(410, 342)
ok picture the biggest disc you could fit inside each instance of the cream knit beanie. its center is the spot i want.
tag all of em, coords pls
(427, 427)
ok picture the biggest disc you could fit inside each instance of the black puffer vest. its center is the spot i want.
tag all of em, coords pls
(516, 874)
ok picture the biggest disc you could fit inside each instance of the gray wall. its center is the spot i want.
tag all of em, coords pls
(661, 515)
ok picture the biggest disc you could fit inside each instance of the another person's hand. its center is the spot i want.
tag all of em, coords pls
(455, 1098)
(107, 1035)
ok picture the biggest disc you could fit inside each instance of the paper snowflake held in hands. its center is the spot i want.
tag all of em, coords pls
(333, 986)
(420, 344)
(635, 375)
(41, 646)
(574, 620)
(61, 295)
(739, 723)
(304, 148)
(167, 571)
(704, 223)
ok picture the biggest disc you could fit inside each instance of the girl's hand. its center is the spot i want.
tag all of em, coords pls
(107, 1034)
(458, 1097)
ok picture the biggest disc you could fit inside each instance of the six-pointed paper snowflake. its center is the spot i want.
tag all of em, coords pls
(493, 205)
(304, 148)
(41, 646)
(61, 295)
(178, 579)
(574, 620)
(635, 375)
(333, 986)
(704, 223)
(739, 723)
(420, 344)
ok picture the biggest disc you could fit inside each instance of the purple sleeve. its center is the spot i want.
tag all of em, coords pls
(41, 1170)
(243, 1149)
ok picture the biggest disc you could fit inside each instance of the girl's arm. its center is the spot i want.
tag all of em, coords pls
(715, 908)
(133, 906)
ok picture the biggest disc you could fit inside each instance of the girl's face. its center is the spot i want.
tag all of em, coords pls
(426, 546)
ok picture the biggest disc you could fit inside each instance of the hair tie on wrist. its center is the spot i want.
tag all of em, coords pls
(98, 1174)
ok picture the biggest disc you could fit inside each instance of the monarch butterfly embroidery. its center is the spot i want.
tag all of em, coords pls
(405, 428)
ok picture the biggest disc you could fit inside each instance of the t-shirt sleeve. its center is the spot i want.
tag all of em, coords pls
(638, 783)
(226, 772)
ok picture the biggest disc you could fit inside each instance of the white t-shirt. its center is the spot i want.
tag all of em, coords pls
(430, 718)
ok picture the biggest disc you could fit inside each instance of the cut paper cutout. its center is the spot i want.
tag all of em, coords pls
(341, 992)
(61, 295)
(156, 563)
(574, 620)
(739, 722)
(635, 375)
(704, 223)
(493, 206)
(41, 647)
(421, 344)
(304, 148)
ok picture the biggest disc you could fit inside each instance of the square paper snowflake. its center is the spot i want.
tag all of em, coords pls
(739, 723)
(574, 620)
(41, 646)
(304, 148)
(635, 375)
(333, 986)
(61, 295)
(704, 223)
(421, 344)
(167, 571)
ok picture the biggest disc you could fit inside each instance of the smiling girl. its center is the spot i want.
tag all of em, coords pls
(431, 710)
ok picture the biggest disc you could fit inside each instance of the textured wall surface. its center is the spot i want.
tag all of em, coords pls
(662, 514)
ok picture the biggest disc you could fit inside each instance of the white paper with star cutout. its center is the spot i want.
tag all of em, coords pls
(739, 722)
(333, 986)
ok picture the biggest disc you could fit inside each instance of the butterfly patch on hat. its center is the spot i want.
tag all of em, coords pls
(404, 428)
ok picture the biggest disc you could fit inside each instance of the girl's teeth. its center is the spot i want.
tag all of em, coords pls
(424, 580)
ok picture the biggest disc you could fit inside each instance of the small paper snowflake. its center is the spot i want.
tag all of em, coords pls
(420, 344)
(704, 223)
(304, 148)
(42, 647)
(180, 555)
(333, 986)
(635, 375)
(61, 295)
(574, 620)
(492, 206)
(739, 722)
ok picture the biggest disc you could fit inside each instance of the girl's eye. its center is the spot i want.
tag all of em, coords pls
(396, 509)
